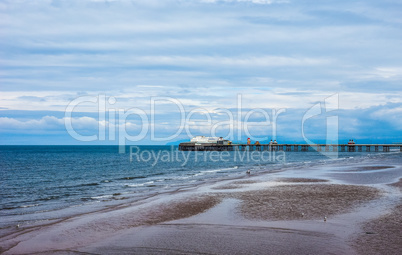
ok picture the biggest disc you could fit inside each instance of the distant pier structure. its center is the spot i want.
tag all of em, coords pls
(191, 146)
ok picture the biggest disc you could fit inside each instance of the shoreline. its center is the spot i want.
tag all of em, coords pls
(116, 199)
(243, 205)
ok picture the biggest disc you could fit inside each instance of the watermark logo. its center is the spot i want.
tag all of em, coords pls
(115, 124)
(154, 157)
(135, 124)
(330, 105)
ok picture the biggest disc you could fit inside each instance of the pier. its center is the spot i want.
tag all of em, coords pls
(289, 147)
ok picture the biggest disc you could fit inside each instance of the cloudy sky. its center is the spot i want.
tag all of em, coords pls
(159, 71)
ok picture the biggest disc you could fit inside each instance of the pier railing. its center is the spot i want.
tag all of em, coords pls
(289, 147)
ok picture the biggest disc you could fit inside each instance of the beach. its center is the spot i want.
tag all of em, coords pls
(340, 208)
(200, 127)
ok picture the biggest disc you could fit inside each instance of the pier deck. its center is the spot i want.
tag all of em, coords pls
(289, 147)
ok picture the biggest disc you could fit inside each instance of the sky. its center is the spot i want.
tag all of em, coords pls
(163, 71)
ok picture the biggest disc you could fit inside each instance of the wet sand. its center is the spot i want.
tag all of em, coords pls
(397, 184)
(81, 231)
(302, 180)
(220, 239)
(384, 234)
(280, 213)
(369, 168)
(243, 224)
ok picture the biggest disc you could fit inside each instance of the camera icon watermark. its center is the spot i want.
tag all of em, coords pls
(329, 106)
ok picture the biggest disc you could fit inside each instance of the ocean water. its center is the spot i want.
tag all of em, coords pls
(42, 183)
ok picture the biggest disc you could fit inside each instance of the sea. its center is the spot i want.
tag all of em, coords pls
(40, 184)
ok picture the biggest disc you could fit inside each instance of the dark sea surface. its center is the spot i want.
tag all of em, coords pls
(41, 183)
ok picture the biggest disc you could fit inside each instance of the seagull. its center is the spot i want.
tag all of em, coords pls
(325, 218)
(248, 171)
(302, 214)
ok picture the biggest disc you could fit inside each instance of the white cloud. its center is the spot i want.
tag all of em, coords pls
(45, 123)
(245, 1)
(388, 72)
(209, 98)
(250, 61)
(202, 61)
(389, 115)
